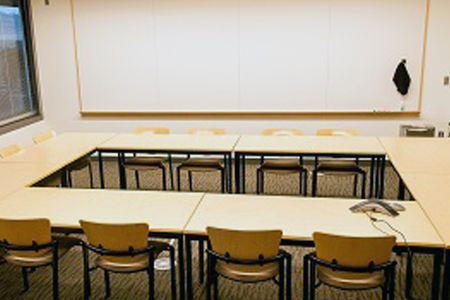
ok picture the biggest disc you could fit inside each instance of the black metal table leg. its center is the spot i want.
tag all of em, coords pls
(180, 240)
(100, 169)
(243, 173)
(122, 174)
(372, 171)
(436, 274)
(237, 179)
(382, 175)
(172, 185)
(377, 177)
(409, 275)
(64, 177)
(189, 287)
(401, 189)
(446, 284)
(230, 174)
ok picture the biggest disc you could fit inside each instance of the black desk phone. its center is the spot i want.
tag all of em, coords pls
(380, 206)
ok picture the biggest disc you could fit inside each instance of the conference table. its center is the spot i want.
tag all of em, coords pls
(166, 213)
(313, 146)
(188, 144)
(423, 165)
(300, 217)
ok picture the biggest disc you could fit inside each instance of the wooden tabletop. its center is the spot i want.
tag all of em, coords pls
(300, 217)
(172, 142)
(310, 144)
(163, 211)
(61, 150)
(15, 176)
(432, 192)
(418, 155)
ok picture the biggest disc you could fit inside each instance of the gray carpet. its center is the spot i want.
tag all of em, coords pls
(135, 286)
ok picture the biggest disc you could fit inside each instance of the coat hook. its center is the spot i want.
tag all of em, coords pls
(47, 2)
(404, 61)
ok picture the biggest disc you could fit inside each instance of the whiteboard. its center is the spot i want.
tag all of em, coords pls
(247, 55)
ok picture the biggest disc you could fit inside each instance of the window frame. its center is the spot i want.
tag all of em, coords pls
(31, 117)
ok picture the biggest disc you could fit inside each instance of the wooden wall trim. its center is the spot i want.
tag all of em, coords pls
(253, 115)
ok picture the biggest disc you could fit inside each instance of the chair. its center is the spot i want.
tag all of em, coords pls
(76, 166)
(339, 167)
(350, 263)
(202, 164)
(248, 257)
(123, 248)
(11, 150)
(30, 245)
(139, 163)
(281, 166)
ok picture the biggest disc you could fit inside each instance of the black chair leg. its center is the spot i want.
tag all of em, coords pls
(164, 183)
(201, 259)
(191, 185)
(222, 180)
(87, 279)
(392, 285)
(55, 274)
(216, 287)
(69, 178)
(258, 183)
(305, 183)
(262, 181)
(363, 186)
(178, 179)
(107, 284)
(281, 282)
(300, 182)
(173, 274)
(305, 278)
(355, 185)
(91, 175)
(151, 277)
(314, 184)
(384, 292)
(172, 186)
(289, 277)
(136, 175)
(209, 274)
(312, 281)
(26, 282)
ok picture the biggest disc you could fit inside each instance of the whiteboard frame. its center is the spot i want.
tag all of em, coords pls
(257, 113)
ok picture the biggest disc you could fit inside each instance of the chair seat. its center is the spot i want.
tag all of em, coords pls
(339, 167)
(80, 164)
(282, 166)
(127, 263)
(141, 163)
(247, 273)
(36, 259)
(347, 280)
(202, 164)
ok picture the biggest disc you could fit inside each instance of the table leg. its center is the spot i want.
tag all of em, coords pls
(243, 174)
(237, 179)
(372, 171)
(377, 176)
(230, 174)
(100, 169)
(446, 285)
(180, 240)
(64, 175)
(383, 171)
(401, 189)
(122, 174)
(172, 185)
(436, 274)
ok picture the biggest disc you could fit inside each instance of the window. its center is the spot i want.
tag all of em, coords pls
(17, 87)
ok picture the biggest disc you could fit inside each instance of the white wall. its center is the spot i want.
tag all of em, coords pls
(58, 80)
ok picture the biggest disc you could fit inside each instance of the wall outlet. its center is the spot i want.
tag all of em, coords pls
(446, 80)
